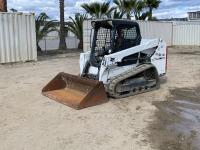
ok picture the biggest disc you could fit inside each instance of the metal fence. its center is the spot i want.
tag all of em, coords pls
(186, 34)
(51, 41)
(154, 29)
(17, 37)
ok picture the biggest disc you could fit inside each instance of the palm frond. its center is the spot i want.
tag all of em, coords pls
(126, 6)
(43, 27)
(76, 26)
(97, 9)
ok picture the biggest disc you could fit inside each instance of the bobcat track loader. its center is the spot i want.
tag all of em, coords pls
(119, 64)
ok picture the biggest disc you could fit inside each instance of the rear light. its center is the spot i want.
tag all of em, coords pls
(166, 59)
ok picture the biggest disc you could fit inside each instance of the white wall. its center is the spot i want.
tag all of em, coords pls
(186, 34)
(17, 37)
(155, 29)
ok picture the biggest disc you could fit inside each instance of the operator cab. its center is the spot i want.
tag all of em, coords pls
(111, 36)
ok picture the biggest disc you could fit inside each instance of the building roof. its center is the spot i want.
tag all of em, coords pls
(194, 12)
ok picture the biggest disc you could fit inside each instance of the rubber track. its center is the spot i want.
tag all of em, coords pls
(115, 80)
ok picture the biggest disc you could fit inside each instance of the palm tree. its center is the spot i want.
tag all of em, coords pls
(13, 10)
(126, 6)
(62, 43)
(138, 8)
(151, 4)
(76, 27)
(143, 16)
(98, 10)
(118, 14)
(43, 27)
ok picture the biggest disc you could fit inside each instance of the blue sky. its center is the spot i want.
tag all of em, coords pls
(167, 9)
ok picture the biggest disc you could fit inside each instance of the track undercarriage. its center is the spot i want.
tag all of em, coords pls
(138, 80)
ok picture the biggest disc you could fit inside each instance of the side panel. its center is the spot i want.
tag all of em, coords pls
(159, 58)
(107, 73)
(93, 70)
(84, 57)
(112, 59)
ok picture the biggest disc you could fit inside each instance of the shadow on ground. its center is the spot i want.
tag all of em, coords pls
(177, 124)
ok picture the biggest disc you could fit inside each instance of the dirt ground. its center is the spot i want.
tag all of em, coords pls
(178, 121)
(153, 120)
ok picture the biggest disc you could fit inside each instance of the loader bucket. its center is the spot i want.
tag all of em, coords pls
(74, 91)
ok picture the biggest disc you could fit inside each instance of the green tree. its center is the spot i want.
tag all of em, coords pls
(130, 7)
(143, 16)
(13, 10)
(43, 27)
(152, 4)
(98, 10)
(138, 10)
(126, 6)
(76, 27)
(118, 14)
(62, 43)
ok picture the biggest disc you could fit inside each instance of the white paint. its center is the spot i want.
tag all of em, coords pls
(159, 58)
(84, 57)
(93, 70)
(113, 71)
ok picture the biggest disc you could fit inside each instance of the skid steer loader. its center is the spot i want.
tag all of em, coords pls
(119, 64)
